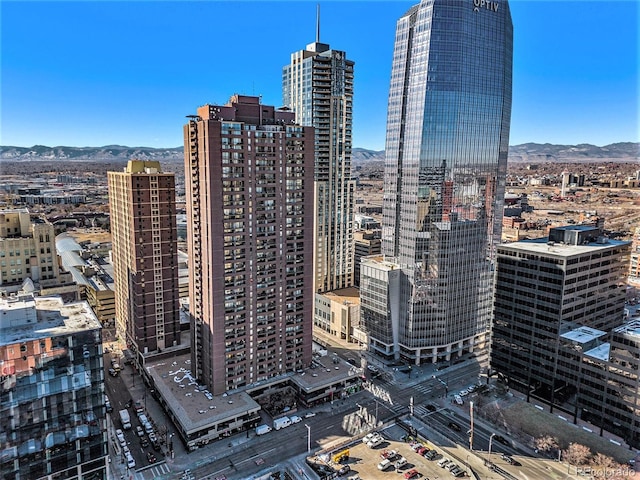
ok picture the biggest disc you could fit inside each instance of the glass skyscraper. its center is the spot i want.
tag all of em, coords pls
(318, 86)
(446, 157)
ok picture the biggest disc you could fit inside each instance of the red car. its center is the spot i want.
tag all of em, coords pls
(413, 473)
(422, 450)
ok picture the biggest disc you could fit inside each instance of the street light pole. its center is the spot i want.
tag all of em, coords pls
(308, 438)
(471, 431)
(490, 442)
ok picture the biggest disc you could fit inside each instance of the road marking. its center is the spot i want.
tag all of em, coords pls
(261, 454)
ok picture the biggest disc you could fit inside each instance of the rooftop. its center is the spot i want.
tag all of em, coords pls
(351, 295)
(583, 334)
(630, 328)
(601, 352)
(195, 409)
(30, 318)
(543, 246)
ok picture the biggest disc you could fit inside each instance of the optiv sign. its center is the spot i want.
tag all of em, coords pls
(478, 4)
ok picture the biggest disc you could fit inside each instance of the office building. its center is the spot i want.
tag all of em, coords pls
(52, 413)
(28, 251)
(249, 184)
(446, 156)
(365, 243)
(145, 257)
(634, 263)
(336, 314)
(318, 86)
(558, 334)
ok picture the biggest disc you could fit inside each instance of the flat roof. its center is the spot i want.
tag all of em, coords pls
(542, 246)
(601, 352)
(583, 334)
(350, 294)
(324, 373)
(53, 318)
(632, 327)
(381, 262)
(195, 409)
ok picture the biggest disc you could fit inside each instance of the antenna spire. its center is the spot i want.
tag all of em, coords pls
(318, 23)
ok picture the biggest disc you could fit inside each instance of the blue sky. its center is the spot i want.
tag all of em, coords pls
(88, 73)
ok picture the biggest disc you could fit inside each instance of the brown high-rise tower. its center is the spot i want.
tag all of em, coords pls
(249, 184)
(143, 228)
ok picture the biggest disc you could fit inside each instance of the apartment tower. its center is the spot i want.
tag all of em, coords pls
(318, 86)
(249, 181)
(144, 256)
(446, 156)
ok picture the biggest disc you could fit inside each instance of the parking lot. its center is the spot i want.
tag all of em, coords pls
(364, 461)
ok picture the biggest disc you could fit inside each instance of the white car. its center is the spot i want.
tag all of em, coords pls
(458, 399)
(131, 463)
(295, 419)
(139, 431)
(464, 393)
(384, 464)
(369, 436)
(120, 435)
(309, 414)
(375, 442)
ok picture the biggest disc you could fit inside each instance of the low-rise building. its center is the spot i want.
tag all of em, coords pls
(337, 312)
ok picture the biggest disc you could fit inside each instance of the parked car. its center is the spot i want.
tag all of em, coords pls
(120, 435)
(375, 442)
(295, 419)
(422, 450)
(385, 464)
(457, 472)
(139, 431)
(510, 460)
(369, 436)
(413, 473)
(309, 414)
(389, 454)
(344, 470)
(443, 462)
(401, 462)
(431, 455)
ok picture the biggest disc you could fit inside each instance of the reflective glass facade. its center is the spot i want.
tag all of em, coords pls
(52, 413)
(446, 155)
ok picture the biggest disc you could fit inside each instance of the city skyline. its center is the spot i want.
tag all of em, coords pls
(117, 58)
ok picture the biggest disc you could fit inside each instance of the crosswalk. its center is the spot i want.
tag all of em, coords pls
(153, 472)
(423, 388)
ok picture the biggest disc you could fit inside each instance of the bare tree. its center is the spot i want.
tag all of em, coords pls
(576, 454)
(546, 443)
(602, 460)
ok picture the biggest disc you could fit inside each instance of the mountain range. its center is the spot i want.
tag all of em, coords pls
(527, 153)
